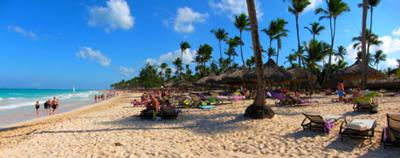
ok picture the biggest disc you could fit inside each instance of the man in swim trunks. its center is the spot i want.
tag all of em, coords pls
(54, 104)
(340, 88)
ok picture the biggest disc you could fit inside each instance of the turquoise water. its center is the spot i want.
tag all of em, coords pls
(18, 104)
(16, 98)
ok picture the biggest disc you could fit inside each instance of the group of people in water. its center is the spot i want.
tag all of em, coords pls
(50, 106)
(105, 96)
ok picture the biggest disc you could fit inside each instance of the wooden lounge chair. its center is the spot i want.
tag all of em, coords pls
(358, 128)
(318, 122)
(391, 134)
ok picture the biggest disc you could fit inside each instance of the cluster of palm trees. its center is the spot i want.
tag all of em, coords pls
(319, 57)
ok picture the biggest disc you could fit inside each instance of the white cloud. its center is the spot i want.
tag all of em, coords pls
(391, 62)
(389, 46)
(396, 32)
(313, 5)
(151, 61)
(89, 53)
(126, 71)
(22, 31)
(114, 16)
(169, 57)
(233, 7)
(185, 19)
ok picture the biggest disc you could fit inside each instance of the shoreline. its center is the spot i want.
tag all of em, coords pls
(68, 113)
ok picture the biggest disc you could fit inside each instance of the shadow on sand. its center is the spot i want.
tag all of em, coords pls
(200, 123)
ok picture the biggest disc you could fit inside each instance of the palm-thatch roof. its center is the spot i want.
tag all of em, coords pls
(272, 73)
(183, 84)
(202, 81)
(235, 76)
(299, 75)
(354, 72)
(211, 78)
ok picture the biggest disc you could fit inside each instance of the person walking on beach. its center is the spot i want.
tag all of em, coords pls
(37, 106)
(340, 88)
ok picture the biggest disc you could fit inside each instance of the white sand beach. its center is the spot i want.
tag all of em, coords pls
(111, 129)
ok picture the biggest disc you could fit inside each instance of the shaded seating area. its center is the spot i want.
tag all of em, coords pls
(358, 128)
(391, 134)
(321, 123)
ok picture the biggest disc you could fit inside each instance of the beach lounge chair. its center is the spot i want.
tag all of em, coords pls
(366, 102)
(391, 134)
(358, 128)
(320, 123)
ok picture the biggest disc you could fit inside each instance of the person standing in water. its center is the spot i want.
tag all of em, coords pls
(47, 106)
(37, 106)
(54, 104)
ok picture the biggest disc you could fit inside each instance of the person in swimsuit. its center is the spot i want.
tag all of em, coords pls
(340, 88)
(54, 104)
(47, 106)
(37, 106)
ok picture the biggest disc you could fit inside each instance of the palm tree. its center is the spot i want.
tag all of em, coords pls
(168, 72)
(280, 32)
(363, 44)
(163, 67)
(298, 6)
(271, 52)
(334, 9)
(203, 56)
(258, 108)
(315, 29)
(221, 35)
(232, 44)
(188, 72)
(270, 31)
(371, 39)
(242, 23)
(184, 45)
(316, 52)
(340, 53)
(378, 57)
(372, 4)
(291, 58)
(178, 65)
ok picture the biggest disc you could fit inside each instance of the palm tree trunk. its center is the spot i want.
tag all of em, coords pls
(220, 53)
(298, 34)
(363, 44)
(370, 28)
(241, 50)
(277, 50)
(259, 102)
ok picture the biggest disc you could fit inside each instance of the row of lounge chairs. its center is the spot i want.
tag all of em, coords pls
(357, 128)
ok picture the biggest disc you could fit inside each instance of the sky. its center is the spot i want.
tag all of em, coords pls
(91, 44)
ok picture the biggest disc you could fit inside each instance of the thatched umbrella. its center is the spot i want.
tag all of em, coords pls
(300, 75)
(169, 84)
(354, 72)
(183, 84)
(235, 76)
(211, 78)
(202, 81)
(272, 73)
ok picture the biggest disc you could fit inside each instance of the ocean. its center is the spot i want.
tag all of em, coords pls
(17, 105)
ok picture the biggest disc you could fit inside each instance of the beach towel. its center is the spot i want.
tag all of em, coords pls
(328, 126)
(389, 135)
(207, 107)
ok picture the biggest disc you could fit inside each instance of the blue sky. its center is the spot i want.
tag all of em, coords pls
(93, 43)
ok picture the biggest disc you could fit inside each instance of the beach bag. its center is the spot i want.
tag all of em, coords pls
(148, 114)
(168, 113)
(328, 126)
